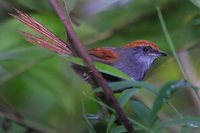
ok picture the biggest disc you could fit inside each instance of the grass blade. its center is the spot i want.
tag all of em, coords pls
(169, 40)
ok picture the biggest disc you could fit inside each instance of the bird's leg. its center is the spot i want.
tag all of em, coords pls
(87, 75)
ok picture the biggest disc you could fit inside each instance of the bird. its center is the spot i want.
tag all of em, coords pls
(134, 58)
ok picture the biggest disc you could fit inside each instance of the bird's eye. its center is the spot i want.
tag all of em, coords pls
(145, 49)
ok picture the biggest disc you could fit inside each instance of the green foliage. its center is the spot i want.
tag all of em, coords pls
(141, 110)
(165, 94)
(43, 88)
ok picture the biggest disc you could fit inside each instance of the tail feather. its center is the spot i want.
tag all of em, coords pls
(42, 42)
(52, 42)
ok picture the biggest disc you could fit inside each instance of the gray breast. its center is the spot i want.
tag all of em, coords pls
(131, 63)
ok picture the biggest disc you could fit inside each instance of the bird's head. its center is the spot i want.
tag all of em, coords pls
(137, 58)
(144, 51)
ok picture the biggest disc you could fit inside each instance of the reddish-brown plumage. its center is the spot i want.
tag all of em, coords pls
(104, 53)
(139, 43)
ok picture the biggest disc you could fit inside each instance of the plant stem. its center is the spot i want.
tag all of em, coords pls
(169, 40)
(89, 125)
(171, 45)
(173, 49)
(20, 121)
(80, 48)
(175, 110)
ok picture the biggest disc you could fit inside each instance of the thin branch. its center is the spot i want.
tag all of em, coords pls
(20, 121)
(84, 54)
(7, 104)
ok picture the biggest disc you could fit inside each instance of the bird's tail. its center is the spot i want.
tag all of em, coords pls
(48, 40)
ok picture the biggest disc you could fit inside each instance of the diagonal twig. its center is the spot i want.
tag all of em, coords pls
(98, 77)
(20, 121)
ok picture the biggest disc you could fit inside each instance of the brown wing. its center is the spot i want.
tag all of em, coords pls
(50, 40)
(104, 54)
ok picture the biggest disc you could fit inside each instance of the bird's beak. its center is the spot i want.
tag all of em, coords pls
(161, 53)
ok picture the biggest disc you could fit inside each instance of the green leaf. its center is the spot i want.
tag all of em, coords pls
(99, 102)
(193, 122)
(128, 84)
(17, 54)
(141, 110)
(186, 129)
(140, 126)
(43, 5)
(101, 67)
(35, 87)
(110, 123)
(125, 96)
(119, 129)
(165, 94)
(89, 125)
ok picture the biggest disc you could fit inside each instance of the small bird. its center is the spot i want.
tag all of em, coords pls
(134, 59)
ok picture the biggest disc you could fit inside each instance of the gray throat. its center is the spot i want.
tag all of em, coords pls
(136, 66)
